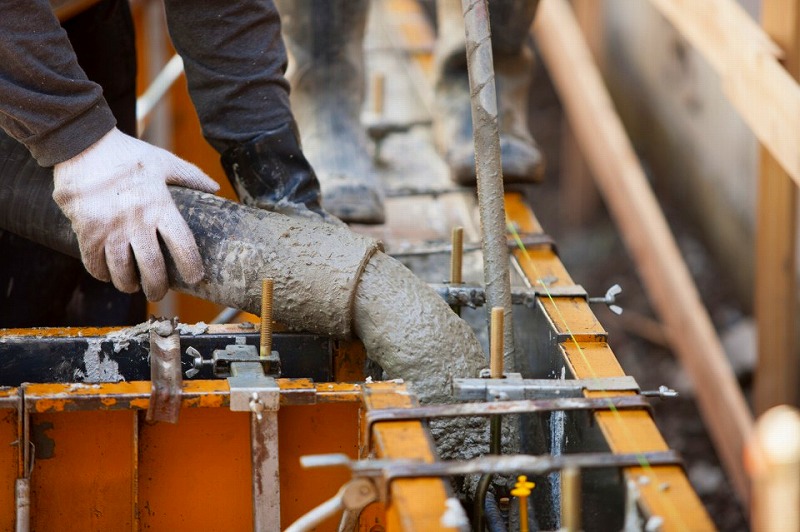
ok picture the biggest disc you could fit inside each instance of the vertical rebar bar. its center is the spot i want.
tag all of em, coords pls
(266, 318)
(491, 202)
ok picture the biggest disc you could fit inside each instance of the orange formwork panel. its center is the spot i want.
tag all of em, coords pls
(100, 466)
(10, 459)
(416, 504)
(83, 471)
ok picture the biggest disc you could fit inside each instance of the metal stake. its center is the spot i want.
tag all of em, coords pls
(266, 318)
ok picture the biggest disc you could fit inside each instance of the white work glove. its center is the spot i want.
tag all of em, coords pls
(115, 194)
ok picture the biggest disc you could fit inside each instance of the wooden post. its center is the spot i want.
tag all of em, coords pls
(773, 459)
(636, 212)
(578, 195)
(777, 375)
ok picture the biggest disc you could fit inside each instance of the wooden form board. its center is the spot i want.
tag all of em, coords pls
(624, 186)
(778, 372)
(748, 62)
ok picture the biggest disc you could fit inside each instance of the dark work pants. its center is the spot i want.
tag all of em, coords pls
(41, 287)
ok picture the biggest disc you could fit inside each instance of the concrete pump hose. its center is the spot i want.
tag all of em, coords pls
(328, 280)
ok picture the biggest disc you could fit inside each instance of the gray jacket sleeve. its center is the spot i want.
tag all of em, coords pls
(235, 62)
(46, 101)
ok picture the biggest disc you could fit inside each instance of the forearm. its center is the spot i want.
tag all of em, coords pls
(46, 101)
(235, 60)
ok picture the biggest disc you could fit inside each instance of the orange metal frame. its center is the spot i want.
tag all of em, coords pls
(664, 490)
(100, 465)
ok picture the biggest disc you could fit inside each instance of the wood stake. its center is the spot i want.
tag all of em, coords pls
(774, 462)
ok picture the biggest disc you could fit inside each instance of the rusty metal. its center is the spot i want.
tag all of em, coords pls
(57, 355)
(22, 498)
(384, 472)
(624, 402)
(251, 390)
(491, 204)
(265, 466)
(166, 376)
(44, 398)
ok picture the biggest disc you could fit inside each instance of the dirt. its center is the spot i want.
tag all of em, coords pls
(596, 258)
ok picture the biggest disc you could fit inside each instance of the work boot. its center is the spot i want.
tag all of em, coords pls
(325, 39)
(271, 173)
(513, 64)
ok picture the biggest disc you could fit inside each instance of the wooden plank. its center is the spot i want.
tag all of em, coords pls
(778, 373)
(633, 206)
(747, 61)
(578, 195)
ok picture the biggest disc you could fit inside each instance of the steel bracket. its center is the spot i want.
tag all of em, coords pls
(515, 388)
(251, 389)
(223, 360)
(383, 472)
(499, 408)
(166, 377)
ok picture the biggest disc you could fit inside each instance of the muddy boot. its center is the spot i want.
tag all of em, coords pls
(271, 173)
(324, 39)
(513, 64)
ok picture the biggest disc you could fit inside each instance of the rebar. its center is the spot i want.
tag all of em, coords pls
(491, 202)
(267, 286)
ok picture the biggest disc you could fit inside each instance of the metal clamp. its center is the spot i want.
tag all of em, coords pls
(494, 408)
(251, 389)
(166, 380)
(222, 359)
(512, 388)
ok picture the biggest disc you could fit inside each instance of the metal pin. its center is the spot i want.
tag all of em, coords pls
(266, 318)
(571, 499)
(456, 255)
(496, 343)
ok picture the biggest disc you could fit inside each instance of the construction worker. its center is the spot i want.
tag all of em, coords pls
(67, 103)
(326, 71)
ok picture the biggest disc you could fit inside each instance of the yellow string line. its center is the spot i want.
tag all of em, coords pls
(643, 462)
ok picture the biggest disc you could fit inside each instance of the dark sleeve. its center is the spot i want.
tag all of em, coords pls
(235, 62)
(46, 101)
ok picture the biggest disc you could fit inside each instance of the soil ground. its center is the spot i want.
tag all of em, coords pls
(596, 257)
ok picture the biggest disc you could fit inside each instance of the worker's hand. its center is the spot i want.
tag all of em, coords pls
(115, 194)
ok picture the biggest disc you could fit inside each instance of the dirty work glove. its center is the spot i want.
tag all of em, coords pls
(115, 194)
